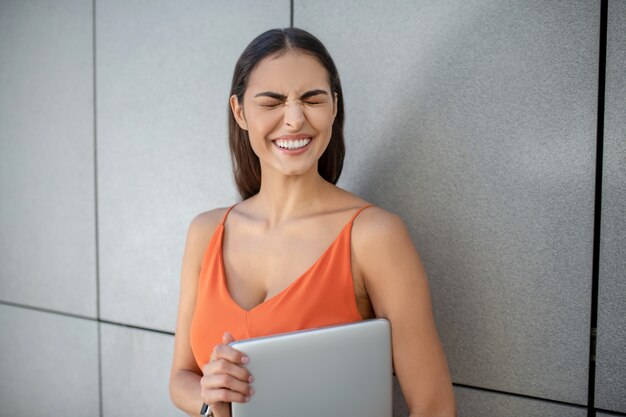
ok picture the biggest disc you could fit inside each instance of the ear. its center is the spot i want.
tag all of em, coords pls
(237, 110)
(335, 105)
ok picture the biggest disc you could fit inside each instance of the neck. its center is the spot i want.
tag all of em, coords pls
(284, 197)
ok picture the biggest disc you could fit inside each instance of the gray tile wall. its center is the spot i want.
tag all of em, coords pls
(472, 403)
(49, 364)
(611, 350)
(480, 133)
(475, 402)
(474, 120)
(46, 155)
(162, 100)
(135, 372)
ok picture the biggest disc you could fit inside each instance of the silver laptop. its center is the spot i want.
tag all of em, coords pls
(335, 371)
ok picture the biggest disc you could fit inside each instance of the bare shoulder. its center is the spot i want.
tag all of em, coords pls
(388, 263)
(202, 227)
(210, 218)
(376, 226)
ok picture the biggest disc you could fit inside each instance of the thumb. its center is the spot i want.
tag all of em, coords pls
(227, 338)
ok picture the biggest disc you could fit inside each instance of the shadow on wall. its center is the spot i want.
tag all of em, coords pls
(429, 175)
(464, 151)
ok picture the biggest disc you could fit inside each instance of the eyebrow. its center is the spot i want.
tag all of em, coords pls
(283, 97)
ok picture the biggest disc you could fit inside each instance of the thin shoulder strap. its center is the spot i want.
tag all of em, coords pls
(226, 214)
(359, 211)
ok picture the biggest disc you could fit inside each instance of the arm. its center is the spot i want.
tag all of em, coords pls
(185, 374)
(398, 289)
(224, 379)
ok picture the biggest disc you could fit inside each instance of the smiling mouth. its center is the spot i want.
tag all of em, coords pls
(292, 144)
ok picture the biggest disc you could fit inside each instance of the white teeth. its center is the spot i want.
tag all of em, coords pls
(293, 144)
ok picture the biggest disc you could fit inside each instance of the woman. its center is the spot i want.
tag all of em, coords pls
(297, 252)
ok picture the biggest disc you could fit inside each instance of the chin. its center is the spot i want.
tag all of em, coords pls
(299, 171)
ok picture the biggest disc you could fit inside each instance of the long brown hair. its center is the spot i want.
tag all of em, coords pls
(246, 166)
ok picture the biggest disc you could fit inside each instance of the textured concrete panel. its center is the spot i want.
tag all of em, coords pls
(49, 364)
(47, 243)
(603, 414)
(164, 70)
(611, 346)
(476, 122)
(472, 403)
(135, 372)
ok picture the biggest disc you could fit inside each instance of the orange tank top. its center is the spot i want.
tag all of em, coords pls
(323, 295)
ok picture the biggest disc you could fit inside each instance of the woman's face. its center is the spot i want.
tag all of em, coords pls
(288, 111)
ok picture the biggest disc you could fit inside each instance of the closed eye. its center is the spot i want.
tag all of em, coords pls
(271, 105)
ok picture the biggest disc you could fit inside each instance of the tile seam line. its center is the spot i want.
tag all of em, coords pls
(95, 188)
(610, 412)
(46, 310)
(518, 395)
(597, 216)
(81, 317)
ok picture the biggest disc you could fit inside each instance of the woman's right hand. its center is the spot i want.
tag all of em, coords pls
(225, 379)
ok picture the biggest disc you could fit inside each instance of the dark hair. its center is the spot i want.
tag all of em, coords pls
(246, 166)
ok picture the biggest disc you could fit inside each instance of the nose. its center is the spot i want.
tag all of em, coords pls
(294, 116)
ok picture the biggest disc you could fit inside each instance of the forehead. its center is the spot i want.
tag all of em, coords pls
(289, 72)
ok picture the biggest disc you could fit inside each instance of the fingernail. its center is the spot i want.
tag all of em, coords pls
(250, 378)
(245, 359)
(247, 399)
